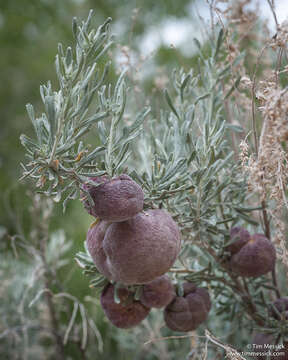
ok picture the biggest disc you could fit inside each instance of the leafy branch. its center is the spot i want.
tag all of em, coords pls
(58, 159)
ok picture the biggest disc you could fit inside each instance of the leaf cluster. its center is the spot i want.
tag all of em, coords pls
(59, 161)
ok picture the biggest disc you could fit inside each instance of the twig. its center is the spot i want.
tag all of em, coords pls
(272, 7)
(50, 304)
(267, 234)
(229, 120)
(212, 10)
(231, 353)
(183, 271)
(171, 337)
(43, 236)
(82, 351)
(279, 60)
(253, 98)
(97, 334)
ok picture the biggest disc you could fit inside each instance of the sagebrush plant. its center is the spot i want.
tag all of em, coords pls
(188, 159)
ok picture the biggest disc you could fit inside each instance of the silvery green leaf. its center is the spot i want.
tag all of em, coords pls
(60, 50)
(180, 289)
(118, 86)
(29, 144)
(93, 173)
(104, 50)
(183, 86)
(51, 113)
(30, 111)
(126, 139)
(174, 169)
(72, 195)
(239, 58)
(233, 87)
(99, 42)
(246, 218)
(169, 102)
(138, 293)
(59, 73)
(69, 56)
(236, 128)
(66, 147)
(85, 256)
(192, 157)
(217, 190)
(248, 208)
(118, 163)
(94, 118)
(161, 147)
(140, 117)
(74, 27)
(121, 154)
(88, 21)
(101, 281)
(88, 75)
(201, 97)
(116, 296)
(87, 159)
(219, 42)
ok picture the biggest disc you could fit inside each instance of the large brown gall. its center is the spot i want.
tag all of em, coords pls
(158, 293)
(254, 258)
(115, 200)
(187, 312)
(127, 313)
(135, 251)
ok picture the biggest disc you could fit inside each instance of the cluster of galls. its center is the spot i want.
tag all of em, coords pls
(133, 248)
(181, 313)
(250, 255)
(253, 256)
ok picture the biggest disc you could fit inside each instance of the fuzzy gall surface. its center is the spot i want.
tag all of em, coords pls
(158, 293)
(117, 199)
(239, 237)
(187, 312)
(135, 251)
(257, 257)
(95, 238)
(128, 313)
